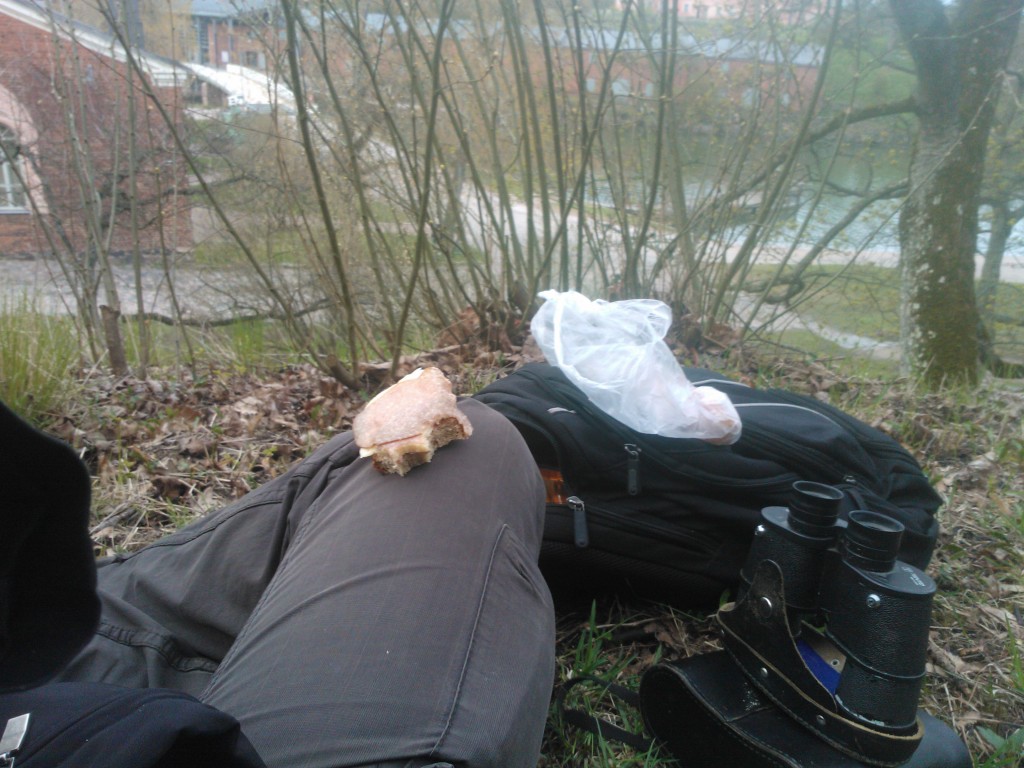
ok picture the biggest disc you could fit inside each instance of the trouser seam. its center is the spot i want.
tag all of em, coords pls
(162, 645)
(334, 459)
(472, 639)
(246, 629)
(177, 541)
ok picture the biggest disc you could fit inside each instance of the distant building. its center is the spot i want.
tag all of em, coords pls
(65, 171)
(787, 11)
(214, 33)
(232, 32)
(163, 27)
(737, 73)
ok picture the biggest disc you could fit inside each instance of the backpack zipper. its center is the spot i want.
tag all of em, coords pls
(795, 453)
(800, 456)
(632, 469)
(13, 736)
(583, 406)
(583, 516)
(873, 445)
(580, 534)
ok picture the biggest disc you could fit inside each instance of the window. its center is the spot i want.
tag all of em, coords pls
(203, 41)
(12, 194)
(254, 59)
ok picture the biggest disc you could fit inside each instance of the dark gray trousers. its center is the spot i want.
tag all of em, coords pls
(348, 618)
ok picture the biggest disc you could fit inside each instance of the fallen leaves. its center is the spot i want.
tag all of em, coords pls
(178, 449)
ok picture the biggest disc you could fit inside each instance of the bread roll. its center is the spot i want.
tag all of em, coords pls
(403, 425)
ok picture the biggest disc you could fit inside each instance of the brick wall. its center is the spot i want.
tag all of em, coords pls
(82, 167)
(232, 41)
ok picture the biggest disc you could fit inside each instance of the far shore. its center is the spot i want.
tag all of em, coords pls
(211, 292)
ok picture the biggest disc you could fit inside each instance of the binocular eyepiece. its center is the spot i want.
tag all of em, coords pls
(844, 584)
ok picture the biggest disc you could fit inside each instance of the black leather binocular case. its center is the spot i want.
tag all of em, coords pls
(830, 633)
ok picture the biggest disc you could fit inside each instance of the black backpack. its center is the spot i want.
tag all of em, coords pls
(674, 517)
(94, 725)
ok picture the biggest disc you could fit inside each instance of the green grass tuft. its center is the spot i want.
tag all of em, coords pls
(38, 357)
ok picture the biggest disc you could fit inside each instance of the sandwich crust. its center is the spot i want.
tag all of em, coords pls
(405, 424)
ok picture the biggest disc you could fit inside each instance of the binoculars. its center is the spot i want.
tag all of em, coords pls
(831, 624)
(843, 581)
(828, 634)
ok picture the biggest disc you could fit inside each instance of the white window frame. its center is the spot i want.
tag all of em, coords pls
(12, 194)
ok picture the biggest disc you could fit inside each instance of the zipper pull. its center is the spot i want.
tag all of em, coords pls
(632, 469)
(10, 742)
(579, 521)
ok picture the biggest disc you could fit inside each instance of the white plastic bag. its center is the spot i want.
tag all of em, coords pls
(615, 352)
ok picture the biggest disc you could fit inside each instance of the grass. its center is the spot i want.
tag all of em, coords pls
(592, 654)
(37, 354)
(863, 300)
(280, 247)
(808, 346)
(244, 346)
(1007, 749)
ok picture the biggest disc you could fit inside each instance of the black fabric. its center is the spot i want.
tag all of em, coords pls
(92, 725)
(675, 516)
(707, 714)
(49, 610)
(48, 603)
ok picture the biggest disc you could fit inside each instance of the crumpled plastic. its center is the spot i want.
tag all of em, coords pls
(616, 354)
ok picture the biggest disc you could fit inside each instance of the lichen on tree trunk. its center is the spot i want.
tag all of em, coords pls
(939, 315)
(958, 65)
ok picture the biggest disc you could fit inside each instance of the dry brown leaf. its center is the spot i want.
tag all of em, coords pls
(1004, 617)
(170, 488)
(948, 660)
(198, 445)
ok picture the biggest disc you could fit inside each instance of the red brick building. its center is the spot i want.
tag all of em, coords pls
(786, 11)
(235, 32)
(67, 178)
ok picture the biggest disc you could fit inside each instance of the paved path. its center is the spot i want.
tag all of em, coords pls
(40, 284)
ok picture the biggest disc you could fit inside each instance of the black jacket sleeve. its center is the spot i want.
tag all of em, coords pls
(48, 603)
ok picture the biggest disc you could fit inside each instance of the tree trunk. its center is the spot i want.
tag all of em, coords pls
(988, 281)
(958, 64)
(115, 345)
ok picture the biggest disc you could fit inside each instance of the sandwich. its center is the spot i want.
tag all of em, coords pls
(405, 424)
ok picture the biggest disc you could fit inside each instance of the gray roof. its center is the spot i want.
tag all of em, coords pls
(227, 8)
(600, 39)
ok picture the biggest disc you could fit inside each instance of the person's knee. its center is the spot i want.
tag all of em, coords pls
(492, 430)
(484, 417)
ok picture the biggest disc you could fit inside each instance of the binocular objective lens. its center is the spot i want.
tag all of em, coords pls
(872, 541)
